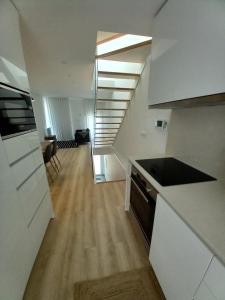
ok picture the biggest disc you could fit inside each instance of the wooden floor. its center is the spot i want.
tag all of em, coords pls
(91, 236)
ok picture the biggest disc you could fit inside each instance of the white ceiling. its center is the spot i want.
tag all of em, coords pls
(59, 38)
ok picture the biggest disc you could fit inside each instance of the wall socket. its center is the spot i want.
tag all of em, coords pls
(161, 124)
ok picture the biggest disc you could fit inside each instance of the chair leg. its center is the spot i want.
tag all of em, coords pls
(53, 166)
(58, 160)
(49, 173)
(55, 163)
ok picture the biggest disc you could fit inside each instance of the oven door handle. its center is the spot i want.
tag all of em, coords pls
(140, 191)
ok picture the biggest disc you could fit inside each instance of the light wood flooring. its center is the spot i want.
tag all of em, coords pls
(91, 236)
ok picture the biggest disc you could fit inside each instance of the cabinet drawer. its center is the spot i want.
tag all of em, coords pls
(32, 192)
(39, 223)
(37, 157)
(15, 264)
(215, 279)
(19, 146)
(25, 167)
(32, 140)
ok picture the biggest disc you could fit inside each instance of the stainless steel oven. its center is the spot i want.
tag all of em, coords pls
(16, 112)
(142, 202)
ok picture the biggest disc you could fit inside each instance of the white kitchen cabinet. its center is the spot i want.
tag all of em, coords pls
(213, 283)
(32, 192)
(188, 50)
(12, 64)
(16, 257)
(178, 257)
(39, 223)
(204, 293)
(215, 278)
(21, 145)
(25, 210)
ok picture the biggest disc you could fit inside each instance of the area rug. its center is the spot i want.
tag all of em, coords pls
(132, 285)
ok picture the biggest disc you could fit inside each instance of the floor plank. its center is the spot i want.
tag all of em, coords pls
(91, 236)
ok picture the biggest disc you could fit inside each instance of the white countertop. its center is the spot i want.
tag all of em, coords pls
(200, 205)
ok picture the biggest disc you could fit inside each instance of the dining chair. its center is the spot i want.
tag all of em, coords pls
(54, 155)
(47, 155)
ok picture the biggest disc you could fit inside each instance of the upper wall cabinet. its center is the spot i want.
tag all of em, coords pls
(12, 65)
(188, 51)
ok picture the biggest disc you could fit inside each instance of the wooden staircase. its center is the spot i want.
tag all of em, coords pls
(117, 76)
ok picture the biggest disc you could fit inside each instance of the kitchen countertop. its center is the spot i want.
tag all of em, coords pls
(200, 205)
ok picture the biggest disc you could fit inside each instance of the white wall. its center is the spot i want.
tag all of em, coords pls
(78, 114)
(137, 135)
(197, 136)
(38, 107)
(82, 113)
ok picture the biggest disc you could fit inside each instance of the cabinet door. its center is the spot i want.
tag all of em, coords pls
(12, 64)
(204, 293)
(188, 50)
(215, 279)
(178, 257)
(16, 257)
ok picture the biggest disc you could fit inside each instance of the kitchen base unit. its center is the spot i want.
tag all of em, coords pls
(178, 256)
(212, 286)
(25, 210)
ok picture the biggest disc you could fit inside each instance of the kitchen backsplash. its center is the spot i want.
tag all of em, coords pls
(197, 136)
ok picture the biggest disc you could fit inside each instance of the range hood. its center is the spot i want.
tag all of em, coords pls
(208, 100)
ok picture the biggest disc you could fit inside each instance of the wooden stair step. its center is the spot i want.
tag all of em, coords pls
(113, 37)
(108, 143)
(105, 117)
(111, 128)
(111, 100)
(118, 73)
(105, 137)
(106, 123)
(116, 109)
(105, 141)
(115, 88)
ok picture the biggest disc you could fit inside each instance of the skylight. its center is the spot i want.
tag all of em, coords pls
(126, 40)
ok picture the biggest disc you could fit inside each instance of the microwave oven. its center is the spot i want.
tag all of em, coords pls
(16, 112)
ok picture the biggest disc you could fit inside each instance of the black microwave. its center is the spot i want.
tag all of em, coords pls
(16, 112)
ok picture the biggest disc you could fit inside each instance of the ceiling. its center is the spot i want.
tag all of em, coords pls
(59, 38)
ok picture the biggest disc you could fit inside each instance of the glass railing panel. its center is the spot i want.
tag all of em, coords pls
(110, 113)
(101, 130)
(111, 105)
(109, 120)
(117, 82)
(105, 65)
(107, 94)
(113, 126)
(106, 136)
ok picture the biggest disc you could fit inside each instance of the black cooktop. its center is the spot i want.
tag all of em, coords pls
(170, 171)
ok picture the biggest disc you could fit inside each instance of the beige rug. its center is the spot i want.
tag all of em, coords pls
(132, 285)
